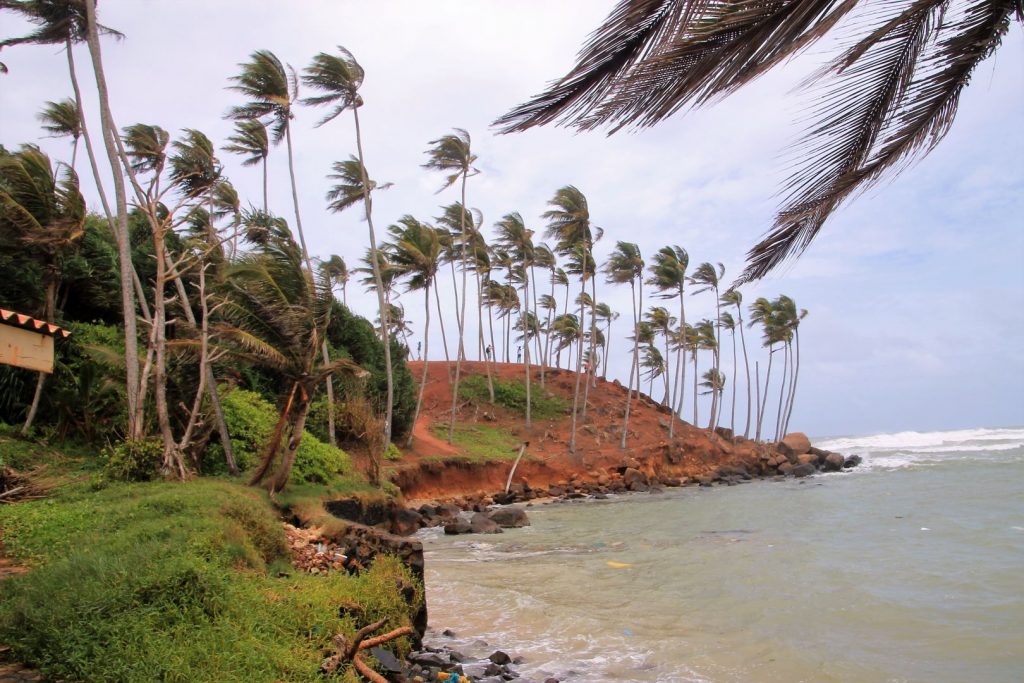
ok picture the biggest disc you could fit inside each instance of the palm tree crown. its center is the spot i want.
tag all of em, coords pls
(270, 89)
(338, 79)
(250, 141)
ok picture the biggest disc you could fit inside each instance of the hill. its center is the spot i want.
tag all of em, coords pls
(488, 436)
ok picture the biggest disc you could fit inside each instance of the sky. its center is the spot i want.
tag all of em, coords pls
(914, 291)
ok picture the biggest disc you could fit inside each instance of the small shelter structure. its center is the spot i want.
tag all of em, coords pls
(26, 342)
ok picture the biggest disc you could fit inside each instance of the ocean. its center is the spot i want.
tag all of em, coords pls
(909, 568)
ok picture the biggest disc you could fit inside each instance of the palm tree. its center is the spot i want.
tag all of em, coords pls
(605, 313)
(889, 97)
(277, 316)
(569, 227)
(451, 154)
(654, 365)
(733, 297)
(514, 237)
(703, 340)
(545, 259)
(45, 213)
(566, 330)
(668, 276)
(761, 312)
(62, 120)
(416, 255)
(625, 264)
(252, 143)
(795, 323)
(662, 322)
(707, 278)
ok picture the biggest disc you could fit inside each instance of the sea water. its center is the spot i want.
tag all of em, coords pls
(909, 568)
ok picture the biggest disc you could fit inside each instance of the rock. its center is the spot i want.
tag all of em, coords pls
(804, 470)
(509, 517)
(481, 524)
(428, 659)
(795, 443)
(672, 482)
(833, 462)
(556, 491)
(634, 479)
(807, 459)
(724, 432)
(500, 658)
(853, 461)
(387, 660)
(406, 522)
(785, 468)
(504, 498)
(459, 526)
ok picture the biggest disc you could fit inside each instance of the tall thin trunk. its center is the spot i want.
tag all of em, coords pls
(677, 398)
(266, 203)
(204, 351)
(462, 316)
(526, 346)
(732, 420)
(746, 364)
(782, 390)
(49, 314)
(579, 359)
(764, 403)
(386, 337)
(426, 350)
(480, 331)
(590, 350)
(538, 343)
(440, 321)
(634, 369)
(696, 375)
(172, 457)
(490, 325)
(604, 351)
(74, 151)
(666, 400)
(757, 386)
(796, 375)
(133, 399)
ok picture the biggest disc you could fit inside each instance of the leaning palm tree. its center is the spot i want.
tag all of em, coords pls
(668, 276)
(452, 155)
(569, 227)
(662, 322)
(272, 91)
(889, 97)
(761, 312)
(276, 316)
(416, 255)
(63, 120)
(250, 141)
(337, 273)
(733, 297)
(46, 214)
(625, 264)
(605, 313)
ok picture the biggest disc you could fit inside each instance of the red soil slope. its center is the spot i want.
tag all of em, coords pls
(433, 469)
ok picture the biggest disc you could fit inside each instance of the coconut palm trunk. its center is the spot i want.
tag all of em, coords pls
(526, 346)
(133, 398)
(635, 367)
(444, 338)
(746, 365)
(579, 357)
(732, 419)
(782, 391)
(679, 380)
(480, 335)
(462, 319)
(426, 351)
(378, 281)
(764, 403)
(49, 314)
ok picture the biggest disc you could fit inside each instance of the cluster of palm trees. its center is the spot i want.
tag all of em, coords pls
(268, 297)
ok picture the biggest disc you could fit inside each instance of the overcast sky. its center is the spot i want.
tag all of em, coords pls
(915, 290)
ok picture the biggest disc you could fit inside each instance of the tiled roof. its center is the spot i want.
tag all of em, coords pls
(29, 323)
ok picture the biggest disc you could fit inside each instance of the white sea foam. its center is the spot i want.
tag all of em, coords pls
(905, 449)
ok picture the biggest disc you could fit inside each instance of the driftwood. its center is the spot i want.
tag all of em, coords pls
(349, 651)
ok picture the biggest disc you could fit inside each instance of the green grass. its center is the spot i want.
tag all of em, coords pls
(174, 582)
(544, 405)
(480, 442)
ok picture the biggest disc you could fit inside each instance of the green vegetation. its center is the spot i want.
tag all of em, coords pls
(176, 582)
(481, 442)
(512, 395)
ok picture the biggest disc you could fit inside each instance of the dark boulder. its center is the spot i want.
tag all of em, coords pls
(458, 526)
(833, 463)
(853, 461)
(510, 517)
(406, 522)
(500, 658)
(805, 470)
(482, 524)
(634, 479)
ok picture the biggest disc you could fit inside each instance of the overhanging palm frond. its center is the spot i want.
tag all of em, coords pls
(58, 21)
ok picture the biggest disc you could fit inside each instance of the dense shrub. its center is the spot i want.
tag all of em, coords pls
(251, 420)
(133, 460)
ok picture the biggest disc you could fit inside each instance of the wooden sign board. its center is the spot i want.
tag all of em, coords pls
(26, 349)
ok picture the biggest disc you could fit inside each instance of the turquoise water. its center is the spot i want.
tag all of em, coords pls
(909, 569)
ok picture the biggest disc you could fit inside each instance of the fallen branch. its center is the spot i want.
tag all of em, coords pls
(349, 651)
